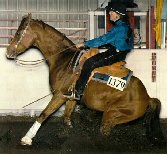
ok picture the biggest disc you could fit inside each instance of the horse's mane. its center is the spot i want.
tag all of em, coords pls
(51, 29)
(44, 25)
(57, 36)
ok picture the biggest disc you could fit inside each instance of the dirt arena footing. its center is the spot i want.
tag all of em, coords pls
(83, 138)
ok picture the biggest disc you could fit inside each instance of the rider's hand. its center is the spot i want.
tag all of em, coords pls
(79, 45)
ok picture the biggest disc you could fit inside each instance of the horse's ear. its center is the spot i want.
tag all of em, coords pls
(29, 16)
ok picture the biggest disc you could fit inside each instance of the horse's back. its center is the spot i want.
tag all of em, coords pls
(133, 101)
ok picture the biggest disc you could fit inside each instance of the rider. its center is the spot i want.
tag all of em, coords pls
(119, 41)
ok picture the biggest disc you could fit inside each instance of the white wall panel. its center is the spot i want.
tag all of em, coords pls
(140, 62)
(22, 85)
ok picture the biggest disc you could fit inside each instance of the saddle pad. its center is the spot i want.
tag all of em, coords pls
(112, 81)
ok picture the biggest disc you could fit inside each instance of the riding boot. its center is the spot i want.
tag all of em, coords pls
(80, 84)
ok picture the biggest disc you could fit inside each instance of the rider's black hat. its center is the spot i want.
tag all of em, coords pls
(116, 7)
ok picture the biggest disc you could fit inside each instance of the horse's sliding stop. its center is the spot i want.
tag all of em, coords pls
(128, 102)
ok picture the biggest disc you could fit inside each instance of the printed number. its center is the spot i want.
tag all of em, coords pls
(116, 83)
(123, 84)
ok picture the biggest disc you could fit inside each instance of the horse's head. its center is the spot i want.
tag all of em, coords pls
(22, 40)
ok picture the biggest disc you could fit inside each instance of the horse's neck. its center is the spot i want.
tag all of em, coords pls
(47, 45)
(54, 49)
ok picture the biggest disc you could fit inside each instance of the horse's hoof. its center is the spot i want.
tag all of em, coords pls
(105, 132)
(68, 123)
(26, 141)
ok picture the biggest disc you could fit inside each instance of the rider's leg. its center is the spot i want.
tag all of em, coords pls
(87, 68)
(99, 60)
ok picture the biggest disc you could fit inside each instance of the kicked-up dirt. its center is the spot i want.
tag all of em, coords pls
(83, 138)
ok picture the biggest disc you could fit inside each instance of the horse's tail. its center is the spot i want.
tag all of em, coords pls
(152, 123)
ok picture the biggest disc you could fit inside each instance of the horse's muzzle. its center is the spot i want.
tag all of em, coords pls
(11, 53)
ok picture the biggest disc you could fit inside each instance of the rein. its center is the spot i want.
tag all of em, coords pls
(36, 62)
(29, 63)
(39, 99)
(40, 61)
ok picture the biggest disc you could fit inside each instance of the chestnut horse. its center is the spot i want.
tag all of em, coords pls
(60, 53)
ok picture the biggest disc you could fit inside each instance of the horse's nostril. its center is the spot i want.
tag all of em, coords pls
(10, 52)
(7, 55)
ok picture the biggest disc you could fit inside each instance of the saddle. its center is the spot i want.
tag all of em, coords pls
(117, 69)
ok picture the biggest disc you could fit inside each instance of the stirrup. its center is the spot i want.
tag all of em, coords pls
(72, 95)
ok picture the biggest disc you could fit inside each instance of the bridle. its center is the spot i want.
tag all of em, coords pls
(35, 62)
(23, 34)
(24, 62)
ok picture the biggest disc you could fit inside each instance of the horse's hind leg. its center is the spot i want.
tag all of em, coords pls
(69, 108)
(107, 122)
(113, 117)
(55, 103)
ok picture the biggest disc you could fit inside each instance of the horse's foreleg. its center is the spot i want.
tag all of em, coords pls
(69, 108)
(55, 103)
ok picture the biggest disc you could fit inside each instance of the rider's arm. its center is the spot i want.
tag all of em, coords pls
(116, 37)
(122, 40)
(109, 37)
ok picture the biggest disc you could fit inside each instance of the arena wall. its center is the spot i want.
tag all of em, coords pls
(22, 84)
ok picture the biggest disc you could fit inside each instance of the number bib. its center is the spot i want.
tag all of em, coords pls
(116, 83)
(112, 81)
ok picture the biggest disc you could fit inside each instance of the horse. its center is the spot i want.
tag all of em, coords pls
(117, 107)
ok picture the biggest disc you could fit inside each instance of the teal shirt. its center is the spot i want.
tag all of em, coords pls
(116, 36)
